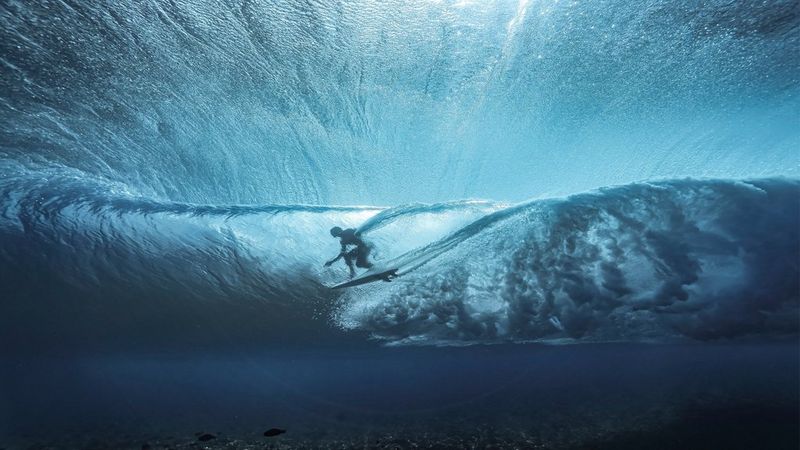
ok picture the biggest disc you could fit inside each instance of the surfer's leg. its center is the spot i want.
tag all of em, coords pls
(348, 259)
(361, 258)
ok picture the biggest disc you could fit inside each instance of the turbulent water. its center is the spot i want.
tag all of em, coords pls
(620, 176)
(158, 160)
(642, 262)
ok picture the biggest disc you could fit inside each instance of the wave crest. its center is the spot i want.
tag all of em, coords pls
(644, 262)
(683, 259)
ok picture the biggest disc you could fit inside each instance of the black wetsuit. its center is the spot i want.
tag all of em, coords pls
(359, 254)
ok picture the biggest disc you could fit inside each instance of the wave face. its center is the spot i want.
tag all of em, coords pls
(157, 160)
(84, 263)
(644, 262)
(289, 101)
(683, 259)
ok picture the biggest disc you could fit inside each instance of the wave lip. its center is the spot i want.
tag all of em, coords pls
(683, 259)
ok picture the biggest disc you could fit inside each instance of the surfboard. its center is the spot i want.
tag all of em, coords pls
(402, 264)
(385, 275)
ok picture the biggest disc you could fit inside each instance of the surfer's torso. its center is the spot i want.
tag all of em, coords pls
(349, 237)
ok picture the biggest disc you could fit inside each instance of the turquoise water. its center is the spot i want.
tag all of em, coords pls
(622, 177)
(384, 103)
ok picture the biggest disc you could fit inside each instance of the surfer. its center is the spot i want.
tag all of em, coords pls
(359, 254)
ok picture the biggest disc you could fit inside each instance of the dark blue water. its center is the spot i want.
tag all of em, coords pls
(593, 207)
(612, 395)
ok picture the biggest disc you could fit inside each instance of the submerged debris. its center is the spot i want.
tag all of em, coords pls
(273, 432)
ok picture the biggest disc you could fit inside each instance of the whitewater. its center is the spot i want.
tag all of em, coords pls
(593, 208)
(652, 262)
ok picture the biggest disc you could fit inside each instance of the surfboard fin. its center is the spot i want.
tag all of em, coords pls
(388, 276)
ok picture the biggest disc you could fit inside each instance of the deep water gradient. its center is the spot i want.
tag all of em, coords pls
(594, 208)
(589, 396)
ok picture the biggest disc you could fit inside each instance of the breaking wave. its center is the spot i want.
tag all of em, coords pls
(643, 262)
(86, 261)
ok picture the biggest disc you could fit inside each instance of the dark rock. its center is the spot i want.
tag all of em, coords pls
(206, 437)
(273, 432)
(146, 446)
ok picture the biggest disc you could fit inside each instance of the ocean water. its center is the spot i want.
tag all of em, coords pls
(594, 208)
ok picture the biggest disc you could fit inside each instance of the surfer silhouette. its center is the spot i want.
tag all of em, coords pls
(359, 254)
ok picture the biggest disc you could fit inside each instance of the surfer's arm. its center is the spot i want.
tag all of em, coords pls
(338, 257)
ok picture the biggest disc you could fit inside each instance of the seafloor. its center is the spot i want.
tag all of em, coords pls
(735, 426)
(611, 396)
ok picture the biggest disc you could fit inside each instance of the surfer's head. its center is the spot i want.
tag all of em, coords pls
(336, 231)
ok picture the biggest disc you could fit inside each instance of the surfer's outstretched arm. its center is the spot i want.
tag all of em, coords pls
(338, 257)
